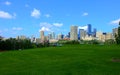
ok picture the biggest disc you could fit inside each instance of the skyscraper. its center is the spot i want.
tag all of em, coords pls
(59, 36)
(49, 36)
(68, 34)
(89, 32)
(42, 35)
(53, 35)
(94, 32)
(82, 33)
(73, 33)
(78, 34)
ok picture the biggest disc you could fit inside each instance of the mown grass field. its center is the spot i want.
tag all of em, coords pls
(65, 60)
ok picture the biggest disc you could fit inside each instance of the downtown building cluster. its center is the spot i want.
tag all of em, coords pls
(75, 33)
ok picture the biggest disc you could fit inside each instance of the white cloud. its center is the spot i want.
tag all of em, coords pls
(49, 27)
(58, 24)
(45, 24)
(7, 3)
(35, 13)
(116, 22)
(85, 14)
(47, 15)
(44, 29)
(6, 15)
(83, 27)
(17, 28)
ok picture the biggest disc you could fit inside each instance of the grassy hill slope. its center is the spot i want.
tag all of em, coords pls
(66, 60)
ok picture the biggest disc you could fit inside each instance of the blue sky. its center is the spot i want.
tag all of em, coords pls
(28, 17)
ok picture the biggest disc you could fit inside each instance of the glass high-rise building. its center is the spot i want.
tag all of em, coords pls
(50, 36)
(74, 33)
(89, 30)
(53, 35)
(94, 32)
(82, 33)
(68, 34)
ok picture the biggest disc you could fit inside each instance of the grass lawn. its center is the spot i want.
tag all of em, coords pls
(66, 60)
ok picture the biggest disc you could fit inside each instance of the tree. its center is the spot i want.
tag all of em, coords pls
(117, 36)
(1, 38)
(110, 42)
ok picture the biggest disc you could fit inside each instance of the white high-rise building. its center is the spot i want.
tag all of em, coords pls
(53, 35)
(74, 33)
(59, 36)
(42, 35)
(82, 34)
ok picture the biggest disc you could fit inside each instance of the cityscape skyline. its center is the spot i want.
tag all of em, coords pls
(28, 17)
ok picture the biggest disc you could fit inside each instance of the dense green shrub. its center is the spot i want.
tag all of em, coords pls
(90, 42)
(15, 44)
(110, 41)
(117, 36)
(68, 42)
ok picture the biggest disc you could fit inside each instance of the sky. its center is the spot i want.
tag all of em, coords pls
(28, 17)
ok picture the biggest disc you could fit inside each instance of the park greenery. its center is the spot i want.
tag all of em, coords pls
(70, 59)
(15, 44)
(20, 44)
(61, 58)
(117, 36)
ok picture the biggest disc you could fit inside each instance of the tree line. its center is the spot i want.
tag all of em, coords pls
(19, 44)
(117, 36)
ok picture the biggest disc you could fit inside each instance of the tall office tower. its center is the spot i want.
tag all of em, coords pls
(89, 29)
(78, 34)
(94, 32)
(73, 33)
(49, 36)
(59, 36)
(82, 33)
(115, 31)
(62, 36)
(68, 34)
(53, 35)
(42, 35)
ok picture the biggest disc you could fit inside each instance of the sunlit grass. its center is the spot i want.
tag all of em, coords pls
(65, 60)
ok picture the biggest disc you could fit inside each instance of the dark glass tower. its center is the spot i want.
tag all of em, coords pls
(89, 32)
(79, 34)
(68, 34)
(94, 32)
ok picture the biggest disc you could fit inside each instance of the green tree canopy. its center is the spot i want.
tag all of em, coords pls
(117, 37)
